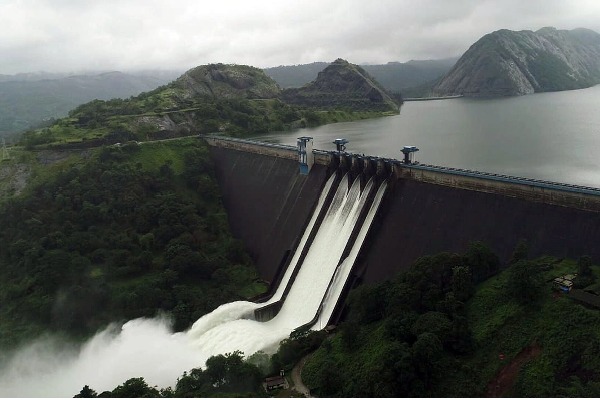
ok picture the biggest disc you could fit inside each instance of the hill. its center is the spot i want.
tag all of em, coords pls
(393, 76)
(114, 233)
(342, 85)
(27, 100)
(453, 326)
(236, 100)
(508, 63)
(226, 81)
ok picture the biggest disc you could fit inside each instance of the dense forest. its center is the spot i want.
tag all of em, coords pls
(118, 233)
(452, 325)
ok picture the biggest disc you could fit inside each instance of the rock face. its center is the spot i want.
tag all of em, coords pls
(508, 63)
(342, 85)
(227, 81)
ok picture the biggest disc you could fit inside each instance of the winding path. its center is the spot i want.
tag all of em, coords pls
(297, 377)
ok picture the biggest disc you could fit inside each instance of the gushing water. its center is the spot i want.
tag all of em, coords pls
(148, 348)
(343, 271)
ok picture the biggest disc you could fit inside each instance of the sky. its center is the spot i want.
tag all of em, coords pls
(92, 35)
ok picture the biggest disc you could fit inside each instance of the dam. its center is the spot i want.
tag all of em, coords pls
(312, 278)
(427, 208)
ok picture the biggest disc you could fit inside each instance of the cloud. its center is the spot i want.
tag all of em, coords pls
(63, 35)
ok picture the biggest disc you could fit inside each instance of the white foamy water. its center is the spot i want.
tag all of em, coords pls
(303, 241)
(148, 348)
(343, 271)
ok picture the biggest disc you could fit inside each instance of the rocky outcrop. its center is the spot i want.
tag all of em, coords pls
(227, 81)
(342, 86)
(508, 63)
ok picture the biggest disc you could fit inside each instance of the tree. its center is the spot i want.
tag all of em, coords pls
(462, 283)
(135, 387)
(426, 352)
(86, 392)
(195, 384)
(433, 322)
(524, 282)
(583, 266)
(482, 260)
(520, 252)
(585, 276)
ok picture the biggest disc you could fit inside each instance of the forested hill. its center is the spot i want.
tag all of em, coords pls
(342, 85)
(506, 63)
(115, 233)
(236, 100)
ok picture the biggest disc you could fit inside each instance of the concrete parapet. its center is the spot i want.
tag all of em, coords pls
(531, 190)
(248, 146)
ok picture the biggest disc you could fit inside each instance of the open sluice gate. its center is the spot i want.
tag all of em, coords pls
(317, 272)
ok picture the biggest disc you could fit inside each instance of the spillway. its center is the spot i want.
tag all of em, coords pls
(313, 286)
(343, 271)
(303, 241)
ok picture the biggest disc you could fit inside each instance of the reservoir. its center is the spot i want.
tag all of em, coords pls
(550, 136)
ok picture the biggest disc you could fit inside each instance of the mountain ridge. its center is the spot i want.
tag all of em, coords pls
(394, 76)
(507, 63)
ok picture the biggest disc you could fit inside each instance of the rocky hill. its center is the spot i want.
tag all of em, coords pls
(342, 85)
(508, 63)
(227, 81)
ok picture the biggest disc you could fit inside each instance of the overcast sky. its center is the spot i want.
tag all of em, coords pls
(79, 35)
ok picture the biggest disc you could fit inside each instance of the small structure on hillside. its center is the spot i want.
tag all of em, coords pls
(275, 382)
(564, 283)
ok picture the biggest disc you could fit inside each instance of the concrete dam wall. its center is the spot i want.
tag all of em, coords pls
(424, 212)
(423, 218)
(268, 202)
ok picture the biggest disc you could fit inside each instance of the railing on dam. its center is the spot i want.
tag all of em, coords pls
(564, 194)
(505, 178)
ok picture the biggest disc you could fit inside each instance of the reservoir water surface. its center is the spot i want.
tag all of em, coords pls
(551, 136)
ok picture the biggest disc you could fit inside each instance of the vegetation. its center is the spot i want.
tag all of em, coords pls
(449, 326)
(233, 99)
(225, 376)
(122, 234)
(27, 102)
(342, 86)
(552, 74)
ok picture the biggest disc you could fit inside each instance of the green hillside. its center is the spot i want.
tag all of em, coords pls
(26, 102)
(235, 100)
(116, 233)
(443, 330)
